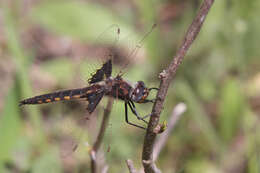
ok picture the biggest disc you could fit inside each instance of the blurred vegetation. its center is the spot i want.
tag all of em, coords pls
(45, 45)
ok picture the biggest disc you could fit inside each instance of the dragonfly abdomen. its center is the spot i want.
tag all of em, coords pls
(55, 96)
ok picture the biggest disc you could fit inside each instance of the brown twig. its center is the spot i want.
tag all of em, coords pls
(130, 166)
(166, 78)
(105, 169)
(100, 136)
(178, 110)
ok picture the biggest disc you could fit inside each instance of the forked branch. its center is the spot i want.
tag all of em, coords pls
(166, 78)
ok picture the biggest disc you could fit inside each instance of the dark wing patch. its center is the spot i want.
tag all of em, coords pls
(105, 70)
(108, 68)
(94, 99)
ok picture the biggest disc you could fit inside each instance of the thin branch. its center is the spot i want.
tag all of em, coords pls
(130, 166)
(151, 165)
(101, 133)
(105, 169)
(166, 78)
(160, 142)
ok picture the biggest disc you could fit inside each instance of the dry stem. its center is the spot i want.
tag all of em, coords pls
(166, 78)
(130, 166)
(101, 133)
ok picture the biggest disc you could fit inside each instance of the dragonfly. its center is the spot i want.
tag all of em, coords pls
(100, 84)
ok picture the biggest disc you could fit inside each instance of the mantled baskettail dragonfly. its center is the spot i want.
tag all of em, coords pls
(102, 84)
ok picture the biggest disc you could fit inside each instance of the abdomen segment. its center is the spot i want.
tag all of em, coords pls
(56, 96)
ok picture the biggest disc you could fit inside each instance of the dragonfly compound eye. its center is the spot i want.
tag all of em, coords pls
(140, 92)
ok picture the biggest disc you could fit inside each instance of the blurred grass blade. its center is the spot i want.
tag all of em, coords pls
(199, 115)
(21, 61)
(10, 124)
(232, 108)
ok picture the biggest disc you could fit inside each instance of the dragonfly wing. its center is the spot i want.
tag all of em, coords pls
(104, 71)
(93, 99)
(108, 68)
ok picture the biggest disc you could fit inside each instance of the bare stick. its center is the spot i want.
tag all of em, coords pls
(101, 133)
(166, 78)
(178, 110)
(105, 169)
(130, 166)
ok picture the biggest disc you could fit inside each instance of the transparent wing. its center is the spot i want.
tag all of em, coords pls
(133, 51)
(119, 45)
(100, 51)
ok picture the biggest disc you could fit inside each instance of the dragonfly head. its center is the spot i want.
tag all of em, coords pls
(140, 92)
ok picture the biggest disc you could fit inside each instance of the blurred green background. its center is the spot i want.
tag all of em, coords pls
(46, 46)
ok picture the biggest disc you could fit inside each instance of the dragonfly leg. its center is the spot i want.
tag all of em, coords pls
(133, 109)
(148, 115)
(126, 118)
(152, 100)
(154, 88)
